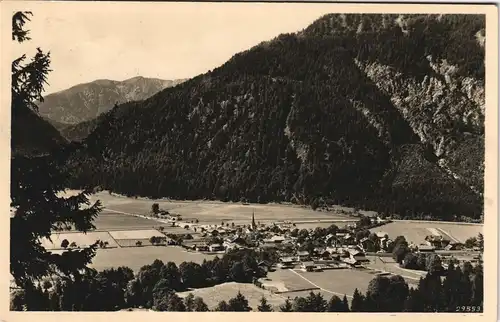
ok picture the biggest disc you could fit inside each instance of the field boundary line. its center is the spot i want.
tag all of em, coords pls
(448, 234)
(123, 212)
(137, 215)
(437, 222)
(298, 290)
(391, 273)
(111, 236)
(421, 273)
(323, 289)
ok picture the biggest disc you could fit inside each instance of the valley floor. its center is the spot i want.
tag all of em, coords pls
(122, 225)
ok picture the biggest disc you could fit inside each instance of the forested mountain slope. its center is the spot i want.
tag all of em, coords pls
(384, 112)
(31, 134)
(87, 101)
(79, 132)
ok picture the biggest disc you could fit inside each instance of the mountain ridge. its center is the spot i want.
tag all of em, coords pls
(86, 101)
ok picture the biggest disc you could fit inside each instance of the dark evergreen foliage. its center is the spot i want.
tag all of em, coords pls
(36, 180)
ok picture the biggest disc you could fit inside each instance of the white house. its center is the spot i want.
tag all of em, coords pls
(357, 255)
(286, 262)
(350, 261)
(277, 239)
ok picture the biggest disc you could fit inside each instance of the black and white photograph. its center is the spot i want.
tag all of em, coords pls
(250, 157)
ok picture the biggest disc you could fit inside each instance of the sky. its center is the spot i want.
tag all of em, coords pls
(162, 40)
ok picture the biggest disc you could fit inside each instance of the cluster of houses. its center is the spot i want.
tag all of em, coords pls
(432, 243)
(169, 217)
(340, 249)
(327, 258)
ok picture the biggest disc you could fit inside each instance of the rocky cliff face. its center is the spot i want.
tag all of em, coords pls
(384, 112)
(445, 111)
(87, 101)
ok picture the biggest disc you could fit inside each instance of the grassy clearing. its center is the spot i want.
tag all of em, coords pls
(416, 232)
(81, 239)
(136, 257)
(109, 220)
(135, 234)
(338, 281)
(133, 242)
(224, 292)
(289, 279)
(215, 211)
(327, 296)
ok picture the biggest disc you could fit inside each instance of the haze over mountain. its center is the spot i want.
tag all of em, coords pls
(87, 101)
(383, 112)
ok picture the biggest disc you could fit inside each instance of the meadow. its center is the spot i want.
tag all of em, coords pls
(135, 234)
(136, 257)
(80, 239)
(387, 264)
(224, 292)
(417, 231)
(287, 281)
(115, 221)
(213, 212)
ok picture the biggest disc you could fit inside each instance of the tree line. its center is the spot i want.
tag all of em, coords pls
(155, 287)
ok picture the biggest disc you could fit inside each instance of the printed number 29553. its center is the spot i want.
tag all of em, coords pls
(468, 309)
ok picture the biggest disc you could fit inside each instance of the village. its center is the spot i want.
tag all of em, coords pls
(310, 249)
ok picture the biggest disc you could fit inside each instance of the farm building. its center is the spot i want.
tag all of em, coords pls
(357, 255)
(322, 252)
(286, 262)
(367, 243)
(268, 246)
(303, 255)
(351, 261)
(236, 239)
(329, 237)
(426, 248)
(348, 238)
(308, 266)
(454, 246)
(436, 241)
(277, 239)
(222, 230)
(326, 262)
(216, 247)
(229, 246)
(334, 250)
(202, 248)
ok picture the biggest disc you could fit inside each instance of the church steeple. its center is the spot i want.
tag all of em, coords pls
(253, 221)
